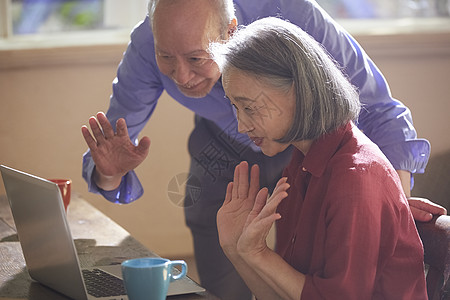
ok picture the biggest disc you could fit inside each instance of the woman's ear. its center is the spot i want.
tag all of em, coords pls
(232, 27)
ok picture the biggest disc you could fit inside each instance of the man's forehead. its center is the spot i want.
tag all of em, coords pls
(187, 8)
(186, 16)
(187, 44)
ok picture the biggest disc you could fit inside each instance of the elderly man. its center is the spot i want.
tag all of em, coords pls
(169, 51)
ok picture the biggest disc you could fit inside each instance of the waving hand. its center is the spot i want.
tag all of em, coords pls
(113, 152)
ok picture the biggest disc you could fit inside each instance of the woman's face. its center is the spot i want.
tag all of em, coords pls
(264, 113)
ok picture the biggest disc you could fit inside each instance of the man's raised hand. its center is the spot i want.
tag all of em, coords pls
(113, 153)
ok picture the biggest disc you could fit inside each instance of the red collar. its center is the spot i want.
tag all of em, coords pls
(323, 149)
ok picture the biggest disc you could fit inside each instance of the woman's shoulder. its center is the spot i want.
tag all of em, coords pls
(360, 164)
(358, 152)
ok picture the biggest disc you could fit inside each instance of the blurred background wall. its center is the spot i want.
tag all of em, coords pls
(47, 95)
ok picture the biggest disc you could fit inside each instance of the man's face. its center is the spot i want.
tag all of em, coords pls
(182, 31)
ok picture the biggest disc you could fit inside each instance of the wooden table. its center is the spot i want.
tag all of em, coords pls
(98, 239)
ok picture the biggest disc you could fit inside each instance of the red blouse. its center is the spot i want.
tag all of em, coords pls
(346, 223)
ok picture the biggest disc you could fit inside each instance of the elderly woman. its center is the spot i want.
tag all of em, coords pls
(343, 225)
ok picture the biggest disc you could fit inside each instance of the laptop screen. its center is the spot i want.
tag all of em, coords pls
(43, 232)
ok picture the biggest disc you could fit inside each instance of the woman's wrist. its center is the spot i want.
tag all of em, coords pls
(254, 258)
(230, 251)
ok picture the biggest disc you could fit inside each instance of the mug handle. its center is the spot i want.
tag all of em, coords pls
(183, 272)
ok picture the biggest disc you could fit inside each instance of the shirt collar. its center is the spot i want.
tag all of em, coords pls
(323, 149)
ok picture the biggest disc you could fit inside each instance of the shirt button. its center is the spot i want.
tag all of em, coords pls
(304, 169)
(293, 240)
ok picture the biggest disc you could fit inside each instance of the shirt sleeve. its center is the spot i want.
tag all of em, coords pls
(385, 120)
(136, 90)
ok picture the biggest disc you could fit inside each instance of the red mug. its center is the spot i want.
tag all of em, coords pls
(64, 186)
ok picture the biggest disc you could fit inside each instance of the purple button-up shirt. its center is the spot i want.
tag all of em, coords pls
(139, 84)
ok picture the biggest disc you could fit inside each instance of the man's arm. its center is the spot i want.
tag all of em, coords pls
(135, 92)
(421, 208)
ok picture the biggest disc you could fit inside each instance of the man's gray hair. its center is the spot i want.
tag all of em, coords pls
(225, 9)
(283, 56)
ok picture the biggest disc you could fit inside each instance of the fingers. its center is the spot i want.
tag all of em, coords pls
(269, 208)
(272, 204)
(242, 186)
(101, 129)
(281, 186)
(235, 182)
(121, 127)
(267, 222)
(420, 215)
(427, 206)
(90, 141)
(107, 129)
(254, 181)
(143, 146)
(96, 131)
(423, 209)
(261, 199)
(228, 194)
(241, 189)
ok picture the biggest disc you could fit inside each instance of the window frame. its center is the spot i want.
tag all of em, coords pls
(5, 19)
(430, 36)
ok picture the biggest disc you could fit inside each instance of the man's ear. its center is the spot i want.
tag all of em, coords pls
(232, 27)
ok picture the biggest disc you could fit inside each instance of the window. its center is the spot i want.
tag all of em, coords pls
(83, 21)
(25, 17)
(383, 9)
(390, 17)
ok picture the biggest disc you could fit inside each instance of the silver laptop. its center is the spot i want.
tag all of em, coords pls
(48, 247)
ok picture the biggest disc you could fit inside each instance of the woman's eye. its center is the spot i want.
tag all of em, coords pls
(249, 110)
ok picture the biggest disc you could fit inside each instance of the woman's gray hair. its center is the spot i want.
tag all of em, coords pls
(284, 56)
(225, 9)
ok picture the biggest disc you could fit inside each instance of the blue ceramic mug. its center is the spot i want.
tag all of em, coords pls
(148, 278)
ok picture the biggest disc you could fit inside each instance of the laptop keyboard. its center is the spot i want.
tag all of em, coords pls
(102, 284)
